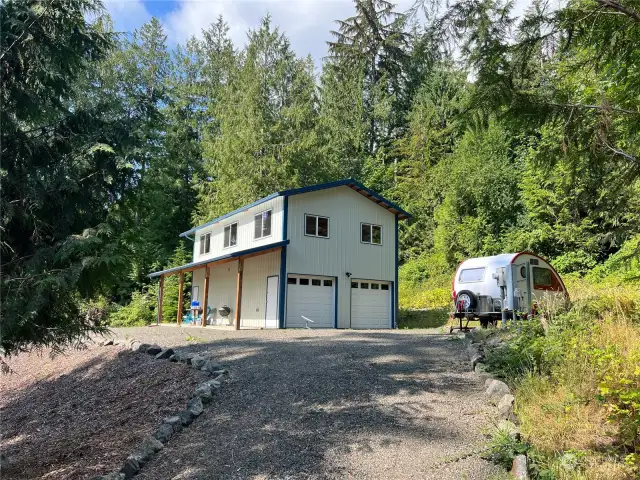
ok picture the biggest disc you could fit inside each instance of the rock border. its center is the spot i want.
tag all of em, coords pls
(497, 392)
(202, 396)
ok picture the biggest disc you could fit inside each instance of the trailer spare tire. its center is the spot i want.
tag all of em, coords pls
(467, 299)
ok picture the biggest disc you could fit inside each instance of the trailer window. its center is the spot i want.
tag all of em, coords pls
(542, 277)
(471, 275)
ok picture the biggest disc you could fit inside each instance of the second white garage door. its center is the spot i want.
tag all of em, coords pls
(370, 304)
(313, 297)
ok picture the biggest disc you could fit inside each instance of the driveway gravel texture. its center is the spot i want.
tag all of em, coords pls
(329, 404)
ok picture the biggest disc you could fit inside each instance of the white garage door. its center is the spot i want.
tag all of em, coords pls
(313, 297)
(370, 304)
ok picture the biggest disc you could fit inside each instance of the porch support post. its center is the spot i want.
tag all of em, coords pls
(180, 299)
(205, 299)
(160, 299)
(239, 292)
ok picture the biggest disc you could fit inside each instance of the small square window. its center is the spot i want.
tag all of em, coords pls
(364, 286)
(315, 226)
(354, 284)
(371, 234)
(262, 225)
(316, 282)
(231, 235)
(205, 243)
(328, 283)
(292, 281)
(304, 281)
(384, 286)
(375, 286)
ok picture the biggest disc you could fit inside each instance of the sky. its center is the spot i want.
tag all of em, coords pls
(307, 23)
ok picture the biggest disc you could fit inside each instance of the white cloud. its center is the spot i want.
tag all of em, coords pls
(127, 15)
(307, 23)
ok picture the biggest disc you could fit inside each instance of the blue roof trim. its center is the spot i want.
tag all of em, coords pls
(312, 188)
(227, 215)
(239, 253)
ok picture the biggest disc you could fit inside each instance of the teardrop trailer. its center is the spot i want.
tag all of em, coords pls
(510, 285)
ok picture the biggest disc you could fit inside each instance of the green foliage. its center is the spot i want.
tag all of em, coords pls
(140, 311)
(504, 446)
(172, 285)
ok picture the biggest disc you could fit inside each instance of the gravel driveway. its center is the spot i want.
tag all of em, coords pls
(305, 404)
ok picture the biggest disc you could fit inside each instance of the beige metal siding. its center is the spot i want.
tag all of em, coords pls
(254, 288)
(343, 251)
(222, 287)
(245, 230)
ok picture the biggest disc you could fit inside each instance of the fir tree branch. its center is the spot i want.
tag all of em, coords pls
(618, 7)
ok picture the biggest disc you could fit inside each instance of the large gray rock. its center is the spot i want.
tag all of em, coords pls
(145, 450)
(163, 432)
(195, 407)
(496, 390)
(186, 417)
(130, 468)
(184, 357)
(197, 361)
(154, 350)
(164, 353)
(510, 428)
(175, 422)
(211, 366)
(519, 468)
(140, 347)
(505, 407)
(476, 359)
(205, 393)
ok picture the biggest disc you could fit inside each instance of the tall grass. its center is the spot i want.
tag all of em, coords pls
(576, 374)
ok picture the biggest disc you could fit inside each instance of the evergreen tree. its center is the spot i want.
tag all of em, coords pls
(60, 173)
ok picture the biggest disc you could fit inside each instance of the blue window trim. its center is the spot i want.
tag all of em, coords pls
(283, 265)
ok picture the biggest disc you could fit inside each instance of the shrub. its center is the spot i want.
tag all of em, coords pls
(504, 447)
(141, 310)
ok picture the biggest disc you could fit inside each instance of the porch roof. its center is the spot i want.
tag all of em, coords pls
(229, 256)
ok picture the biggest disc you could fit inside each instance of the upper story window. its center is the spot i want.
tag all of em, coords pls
(231, 235)
(371, 234)
(262, 225)
(205, 243)
(315, 226)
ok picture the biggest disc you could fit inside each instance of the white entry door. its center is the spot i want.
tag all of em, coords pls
(313, 297)
(370, 304)
(271, 316)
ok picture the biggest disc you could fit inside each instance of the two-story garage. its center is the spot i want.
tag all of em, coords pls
(323, 256)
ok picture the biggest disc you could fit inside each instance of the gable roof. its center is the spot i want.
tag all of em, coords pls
(349, 182)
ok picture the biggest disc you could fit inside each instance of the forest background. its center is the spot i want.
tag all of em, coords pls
(497, 133)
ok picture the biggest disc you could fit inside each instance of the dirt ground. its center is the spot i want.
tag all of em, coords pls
(80, 414)
(330, 404)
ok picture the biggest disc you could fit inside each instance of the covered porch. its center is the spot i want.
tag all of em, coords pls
(240, 281)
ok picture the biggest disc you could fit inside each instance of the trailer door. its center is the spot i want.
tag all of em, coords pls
(522, 286)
